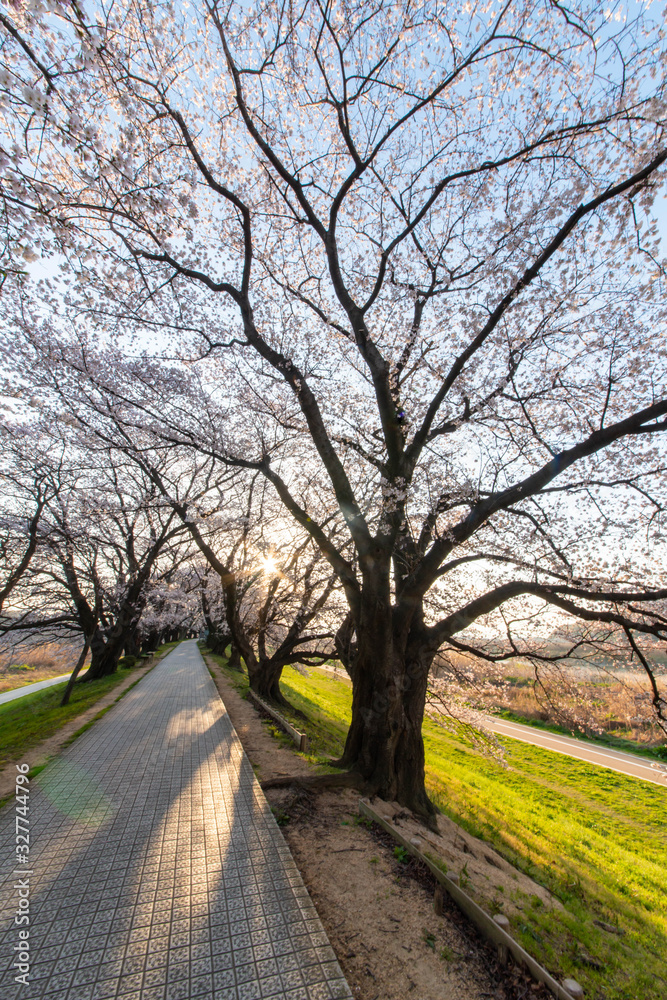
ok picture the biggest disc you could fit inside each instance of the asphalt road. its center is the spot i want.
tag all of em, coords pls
(616, 760)
(31, 688)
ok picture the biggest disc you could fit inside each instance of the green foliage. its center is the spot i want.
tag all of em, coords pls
(360, 820)
(401, 854)
(448, 954)
(238, 678)
(282, 818)
(429, 940)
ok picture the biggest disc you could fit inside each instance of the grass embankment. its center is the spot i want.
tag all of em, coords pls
(594, 837)
(622, 743)
(26, 721)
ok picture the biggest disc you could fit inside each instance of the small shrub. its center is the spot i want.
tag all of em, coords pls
(429, 940)
(447, 954)
(282, 818)
(363, 821)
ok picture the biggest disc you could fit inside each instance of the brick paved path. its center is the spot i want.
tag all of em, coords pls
(159, 871)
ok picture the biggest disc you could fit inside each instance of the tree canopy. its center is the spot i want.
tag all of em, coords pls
(401, 260)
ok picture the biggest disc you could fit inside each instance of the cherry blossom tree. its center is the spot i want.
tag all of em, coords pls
(95, 544)
(409, 257)
(173, 605)
(25, 490)
(275, 587)
(105, 537)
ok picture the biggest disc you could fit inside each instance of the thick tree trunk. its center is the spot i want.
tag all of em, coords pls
(389, 678)
(265, 681)
(217, 642)
(384, 742)
(151, 642)
(104, 656)
(234, 660)
(132, 646)
(107, 646)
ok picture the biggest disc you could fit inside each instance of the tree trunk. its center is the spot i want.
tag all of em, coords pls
(104, 656)
(234, 659)
(151, 642)
(389, 679)
(106, 647)
(75, 673)
(346, 649)
(265, 681)
(217, 642)
(132, 646)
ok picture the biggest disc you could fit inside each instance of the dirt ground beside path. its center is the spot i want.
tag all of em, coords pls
(377, 912)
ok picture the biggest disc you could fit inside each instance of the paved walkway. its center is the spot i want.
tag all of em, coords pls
(20, 692)
(159, 872)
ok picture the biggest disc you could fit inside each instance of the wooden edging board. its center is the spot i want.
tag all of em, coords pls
(300, 739)
(484, 923)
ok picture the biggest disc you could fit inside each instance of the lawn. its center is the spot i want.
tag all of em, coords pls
(27, 721)
(594, 837)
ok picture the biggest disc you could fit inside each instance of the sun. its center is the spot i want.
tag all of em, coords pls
(269, 565)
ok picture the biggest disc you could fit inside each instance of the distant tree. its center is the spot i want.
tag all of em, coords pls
(26, 487)
(105, 538)
(274, 588)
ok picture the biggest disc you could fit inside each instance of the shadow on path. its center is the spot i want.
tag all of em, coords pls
(159, 872)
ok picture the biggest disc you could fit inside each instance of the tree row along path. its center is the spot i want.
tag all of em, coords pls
(156, 869)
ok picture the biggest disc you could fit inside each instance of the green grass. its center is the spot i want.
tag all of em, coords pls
(26, 721)
(594, 837)
(607, 740)
(326, 730)
(238, 678)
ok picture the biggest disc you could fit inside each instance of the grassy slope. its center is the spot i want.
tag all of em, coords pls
(607, 740)
(27, 721)
(594, 837)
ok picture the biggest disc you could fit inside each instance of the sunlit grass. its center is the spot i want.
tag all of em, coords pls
(594, 837)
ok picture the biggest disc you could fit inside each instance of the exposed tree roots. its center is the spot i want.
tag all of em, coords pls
(317, 782)
(349, 779)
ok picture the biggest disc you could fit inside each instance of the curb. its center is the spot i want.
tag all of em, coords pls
(485, 924)
(300, 739)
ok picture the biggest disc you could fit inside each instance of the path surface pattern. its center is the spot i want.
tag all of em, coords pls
(159, 872)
